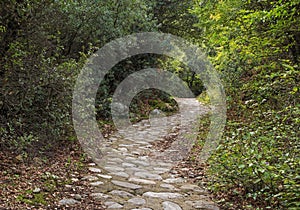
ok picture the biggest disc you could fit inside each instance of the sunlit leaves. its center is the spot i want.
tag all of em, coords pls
(255, 45)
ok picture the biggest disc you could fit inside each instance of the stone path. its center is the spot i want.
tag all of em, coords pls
(133, 174)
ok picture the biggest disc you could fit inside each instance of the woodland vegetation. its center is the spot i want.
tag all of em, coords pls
(253, 44)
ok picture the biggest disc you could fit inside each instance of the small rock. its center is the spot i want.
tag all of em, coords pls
(100, 196)
(168, 165)
(77, 197)
(190, 187)
(126, 185)
(121, 193)
(74, 179)
(69, 201)
(174, 180)
(168, 186)
(141, 163)
(155, 112)
(95, 170)
(147, 175)
(142, 209)
(143, 158)
(142, 181)
(113, 205)
(135, 169)
(122, 149)
(116, 160)
(36, 190)
(130, 159)
(137, 201)
(171, 206)
(195, 188)
(161, 170)
(202, 205)
(121, 174)
(162, 195)
(90, 178)
(128, 165)
(91, 164)
(95, 184)
(114, 168)
(104, 176)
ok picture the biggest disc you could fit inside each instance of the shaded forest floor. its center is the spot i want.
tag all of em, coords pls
(42, 182)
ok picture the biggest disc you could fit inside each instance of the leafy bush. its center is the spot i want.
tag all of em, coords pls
(260, 158)
(255, 47)
(43, 46)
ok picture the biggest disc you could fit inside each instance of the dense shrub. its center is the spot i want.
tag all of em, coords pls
(43, 46)
(255, 47)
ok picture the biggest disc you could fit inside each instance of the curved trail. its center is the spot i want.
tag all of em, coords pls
(134, 175)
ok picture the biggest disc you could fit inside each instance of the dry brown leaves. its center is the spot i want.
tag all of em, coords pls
(54, 178)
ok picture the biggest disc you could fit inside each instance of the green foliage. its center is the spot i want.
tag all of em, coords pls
(148, 100)
(116, 75)
(43, 45)
(174, 17)
(203, 98)
(192, 79)
(261, 158)
(32, 198)
(255, 46)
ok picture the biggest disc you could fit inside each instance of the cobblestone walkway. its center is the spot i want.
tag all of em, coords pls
(134, 174)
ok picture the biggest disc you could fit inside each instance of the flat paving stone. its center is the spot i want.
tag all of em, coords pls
(168, 186)
(121, 193)
(141, 163)
(147, 175)
(142, 181)
(116, 160)
(168, 205)
(121, 174)
(126, 184)
(95, 184)
(130, 159)
(68, 201)
(104, 176)
(195, 188)
(128, 165)
(190, 187)
(133, 170)
(114, 168)
(161, 170)
(174, 180)
(162, 195)
(168, 165)
(137, 201)
(100, 196)
(113, 205)
(202, 204)
(95, 170)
